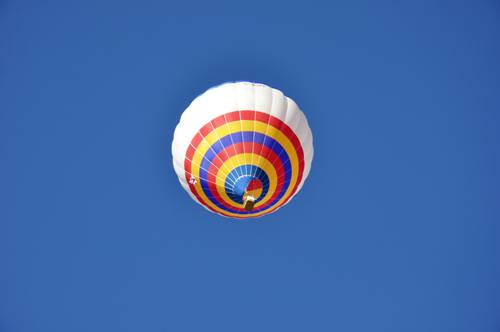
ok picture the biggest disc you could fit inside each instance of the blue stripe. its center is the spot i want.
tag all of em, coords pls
(226, 141)
(217, 147)
(247, 136)
(205, 164)
(259, 138)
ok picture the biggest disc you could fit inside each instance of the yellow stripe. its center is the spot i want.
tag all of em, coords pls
(211, 138)
(247, 125)
(222, 131)
(273, 132)
(260, 127)
(235, 126)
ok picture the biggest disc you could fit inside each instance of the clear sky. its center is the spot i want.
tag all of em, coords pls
(397, 227)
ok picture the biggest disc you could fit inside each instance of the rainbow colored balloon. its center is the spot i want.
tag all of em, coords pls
(242, 149)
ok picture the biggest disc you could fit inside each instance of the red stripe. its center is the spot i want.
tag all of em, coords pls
(219, 121)
(206, 129)
(262, 117)
(196, 140)
(233, 116)
(247, 115)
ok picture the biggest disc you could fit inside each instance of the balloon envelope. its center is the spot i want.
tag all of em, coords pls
(242, 139)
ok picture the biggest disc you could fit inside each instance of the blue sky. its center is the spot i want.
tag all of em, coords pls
(396, 228)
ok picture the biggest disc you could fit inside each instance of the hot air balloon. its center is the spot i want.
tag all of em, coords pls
(242, 149)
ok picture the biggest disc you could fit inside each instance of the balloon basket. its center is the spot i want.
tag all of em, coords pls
(248, 203)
